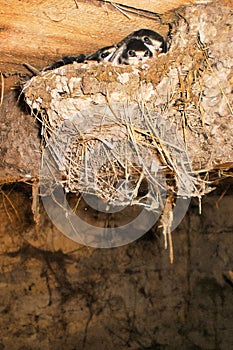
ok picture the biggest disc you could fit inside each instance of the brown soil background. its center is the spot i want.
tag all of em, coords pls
(56, 294)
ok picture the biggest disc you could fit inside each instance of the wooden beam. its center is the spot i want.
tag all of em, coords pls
(39, 33)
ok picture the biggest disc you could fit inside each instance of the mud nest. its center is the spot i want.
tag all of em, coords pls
(130, 134)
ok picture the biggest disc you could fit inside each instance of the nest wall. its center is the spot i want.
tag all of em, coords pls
(107, 128)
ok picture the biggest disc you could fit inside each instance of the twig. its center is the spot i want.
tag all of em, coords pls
(2, 89)
(184, 126)
(7, 212)
(120, 10)
(221, 196)
(31, 68)
(76, 3)
(136, 11)
(12, 205)
(166, 221)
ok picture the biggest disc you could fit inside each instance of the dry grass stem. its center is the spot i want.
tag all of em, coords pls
(2, 89)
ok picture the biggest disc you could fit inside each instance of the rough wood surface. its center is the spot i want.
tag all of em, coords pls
(40, 32)
(155, 5)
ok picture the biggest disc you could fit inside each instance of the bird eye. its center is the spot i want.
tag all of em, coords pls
(132, 53)
(147, 40)
(104, 54)
(147, 53)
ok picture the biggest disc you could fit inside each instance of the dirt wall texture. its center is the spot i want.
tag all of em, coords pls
(56, 294)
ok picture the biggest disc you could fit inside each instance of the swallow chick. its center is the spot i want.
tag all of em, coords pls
(103, 54)
(153, 40)
(66, 60)
(134, 52)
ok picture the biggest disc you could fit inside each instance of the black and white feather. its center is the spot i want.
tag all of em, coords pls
(153, 40)
(103, 54)
(134, 52)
